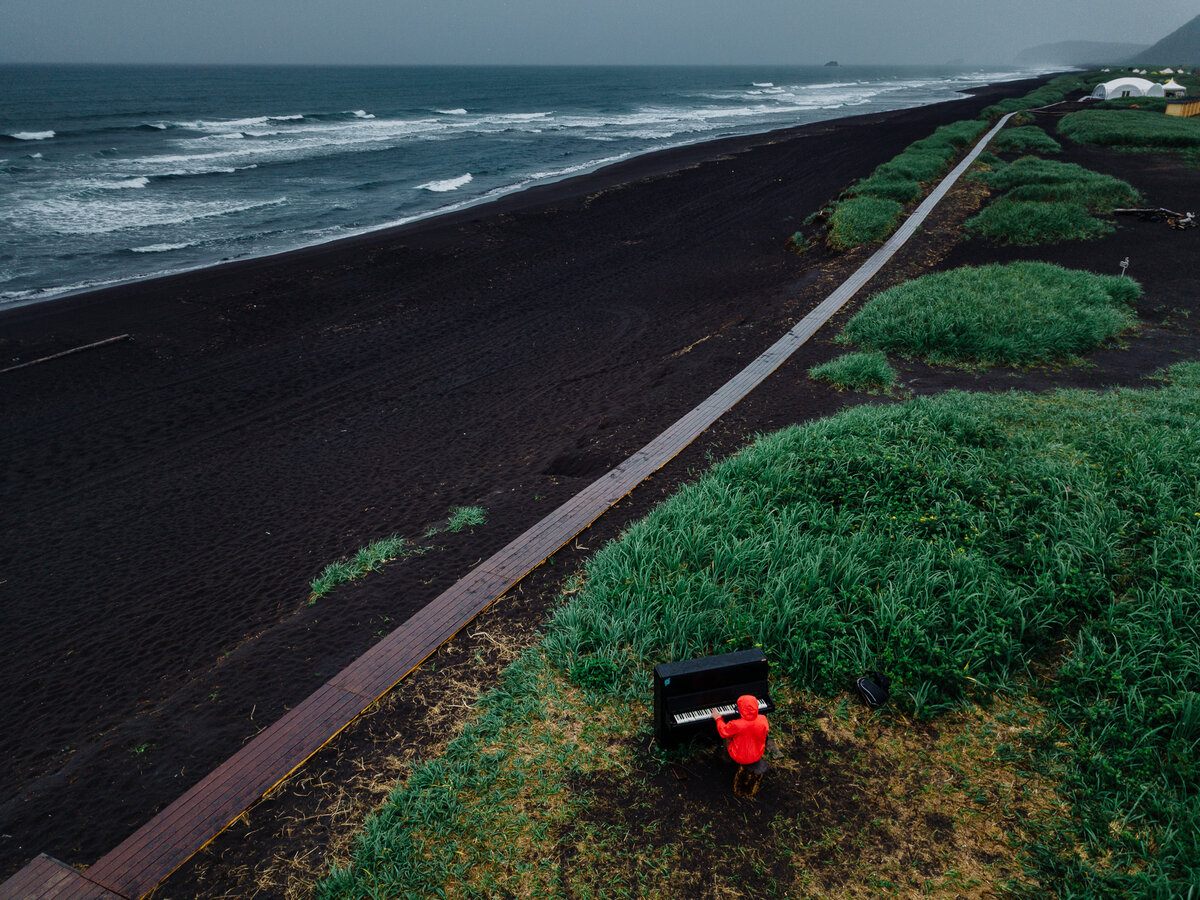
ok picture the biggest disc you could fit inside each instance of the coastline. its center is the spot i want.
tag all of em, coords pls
(604, 174)
(553, 324)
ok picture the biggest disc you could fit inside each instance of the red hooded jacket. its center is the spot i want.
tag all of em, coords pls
(748, 735)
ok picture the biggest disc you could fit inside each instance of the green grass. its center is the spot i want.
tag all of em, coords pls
(954, 543)
(1016, 314)
(368, 559)
(863, 371)
(1132, 128)
(1025, 139)
(1051, 92)
(1031, 223)
(873, 210)
(862, 220)
(463, 517)
(888, 185)
(1045, 180)
(372, 557)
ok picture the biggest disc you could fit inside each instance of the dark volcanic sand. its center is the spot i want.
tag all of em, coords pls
(167, 499)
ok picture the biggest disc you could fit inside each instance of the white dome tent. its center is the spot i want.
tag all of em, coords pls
(1127, 87)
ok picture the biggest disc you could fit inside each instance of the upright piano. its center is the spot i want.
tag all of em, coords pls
(687, 692)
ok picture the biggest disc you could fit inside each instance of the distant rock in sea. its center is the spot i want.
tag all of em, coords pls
(832, 62)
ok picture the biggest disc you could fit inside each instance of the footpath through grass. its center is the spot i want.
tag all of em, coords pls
(962, 544)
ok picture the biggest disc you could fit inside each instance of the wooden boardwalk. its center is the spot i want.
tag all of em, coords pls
(168, 840)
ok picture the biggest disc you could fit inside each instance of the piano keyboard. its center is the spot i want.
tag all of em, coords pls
(695, 715)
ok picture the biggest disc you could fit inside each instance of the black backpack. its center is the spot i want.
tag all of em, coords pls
(873, 687)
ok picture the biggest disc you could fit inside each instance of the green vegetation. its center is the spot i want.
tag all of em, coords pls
(1047, 202)
(875, 204)
(889, 185)
(1030, 223)
(1025, 139)
(1052, 92)
(372, 557)
(864, 371)
(1150, 104)
(1031, 178)
(862, 220)
(368, 559)
(959, 544)
(1133, 128)
(1016, 314)
(462, 517)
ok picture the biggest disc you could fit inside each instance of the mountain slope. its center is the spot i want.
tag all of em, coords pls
(1079, 53)
(1180, 47)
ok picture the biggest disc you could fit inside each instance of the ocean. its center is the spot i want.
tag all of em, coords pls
(110, 174)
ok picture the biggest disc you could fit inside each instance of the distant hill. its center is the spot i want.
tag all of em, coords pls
(1180, 47)
(1078, 53)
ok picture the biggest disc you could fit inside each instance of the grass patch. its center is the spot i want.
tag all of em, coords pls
(862, 220)
(875, 204)
(368, 559)
(864, 371)
(1025, 139)
(1052, 92)
(1132, 128)
(889, 185)
(1031, 223)
(372, 557)
(463, 517)
(1046, 180)
(952, 542)
(1016, 314)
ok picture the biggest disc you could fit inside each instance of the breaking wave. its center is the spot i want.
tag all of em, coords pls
(450, 184)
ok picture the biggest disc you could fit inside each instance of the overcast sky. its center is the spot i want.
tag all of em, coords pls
(566, 31)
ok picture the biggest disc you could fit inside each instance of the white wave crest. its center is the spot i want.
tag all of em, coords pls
(363, 114)
(452, 112)
(94, 216)
(763, 83)
(450, 184)
(162, 248)
(139, 182)
(32, 135)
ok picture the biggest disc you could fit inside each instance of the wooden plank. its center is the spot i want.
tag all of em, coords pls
(164, 843)
(175, 834)
(48, 879)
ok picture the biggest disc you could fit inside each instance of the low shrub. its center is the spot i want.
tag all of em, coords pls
(1015, 314)
(862, 220)
(1028, 223)
(1025, 139)
(864, 371)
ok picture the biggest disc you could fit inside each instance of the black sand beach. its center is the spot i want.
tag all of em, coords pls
(167, 499)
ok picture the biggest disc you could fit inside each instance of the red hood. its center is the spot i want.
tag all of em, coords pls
(748, 706)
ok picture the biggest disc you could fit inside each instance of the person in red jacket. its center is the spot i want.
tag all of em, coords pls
(747, 739)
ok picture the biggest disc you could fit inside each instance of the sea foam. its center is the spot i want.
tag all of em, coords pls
(450, 184)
